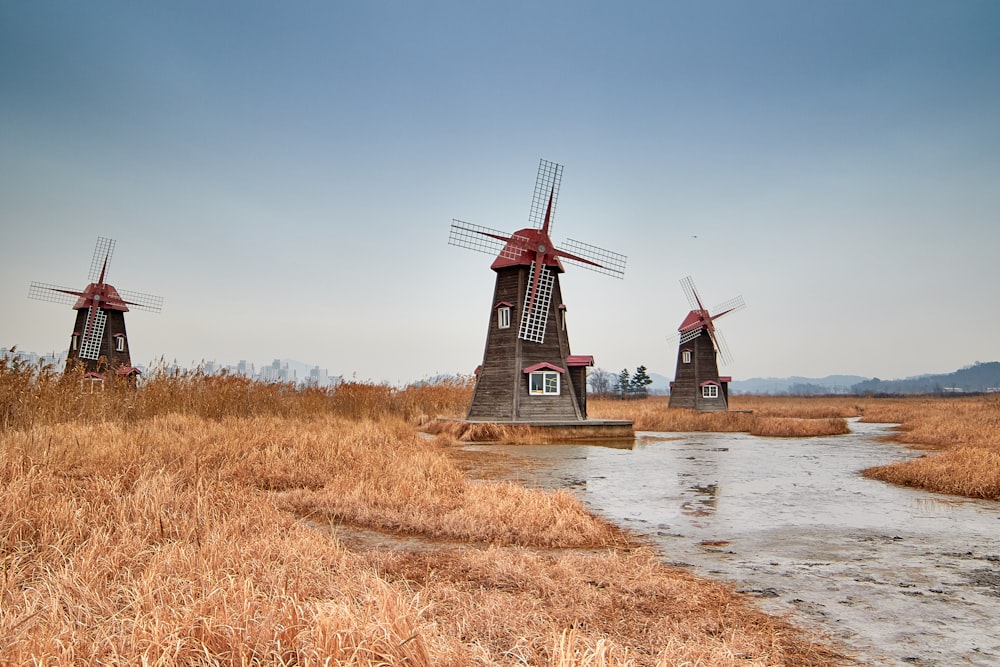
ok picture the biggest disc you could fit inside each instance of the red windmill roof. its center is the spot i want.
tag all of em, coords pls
(694, 320)
(522, 248)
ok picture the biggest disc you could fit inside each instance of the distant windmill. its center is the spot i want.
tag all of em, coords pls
(697, 383)
(528, 373)
(99, 332)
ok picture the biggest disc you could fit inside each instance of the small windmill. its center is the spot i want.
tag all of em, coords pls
(528, 373)
(697, 383)
(99, 333)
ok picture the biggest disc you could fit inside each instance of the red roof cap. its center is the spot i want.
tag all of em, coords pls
(694, 320)
(580, 360)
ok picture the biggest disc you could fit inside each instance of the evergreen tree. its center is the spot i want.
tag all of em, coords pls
(624, 383)
(640, 380)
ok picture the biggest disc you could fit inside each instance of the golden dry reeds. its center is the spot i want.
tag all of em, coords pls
(496, 433)
(758, 416)
(965, 428)
(198, 520)
(797, 427)
(43, 395)
(965, 471)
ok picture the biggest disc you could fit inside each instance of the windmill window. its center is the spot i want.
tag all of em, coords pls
(686, 356)
(503, 317)
(119, 343)
(710, 391)
(74, 342)
(543, 383)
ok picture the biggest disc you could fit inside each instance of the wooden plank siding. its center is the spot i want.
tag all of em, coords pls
(686, 389)
(114, 324)
(501, 392)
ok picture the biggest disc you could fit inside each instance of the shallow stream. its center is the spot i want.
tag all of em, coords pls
(895, 575)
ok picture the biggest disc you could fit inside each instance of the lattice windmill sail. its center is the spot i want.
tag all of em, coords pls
(534, 246)
(528, 265)
(697, 383)
(100, 323)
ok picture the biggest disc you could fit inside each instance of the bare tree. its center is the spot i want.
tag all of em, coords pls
(600, 381)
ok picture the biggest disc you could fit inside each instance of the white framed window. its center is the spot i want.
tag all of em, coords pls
(543, 383)
(119, 343)
(74, 342)
(503, 317)
(710, 391)
(686, 356)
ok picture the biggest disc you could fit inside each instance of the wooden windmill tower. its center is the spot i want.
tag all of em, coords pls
(99, 340)
(528, 373)
(697, 383)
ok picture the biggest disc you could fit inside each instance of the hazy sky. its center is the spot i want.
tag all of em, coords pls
(285, 174)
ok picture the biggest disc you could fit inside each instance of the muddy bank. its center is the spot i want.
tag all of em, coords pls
(896, 576)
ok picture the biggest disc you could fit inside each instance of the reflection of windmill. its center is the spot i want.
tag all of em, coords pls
(696, 382)
(100, 320)
(528, 373)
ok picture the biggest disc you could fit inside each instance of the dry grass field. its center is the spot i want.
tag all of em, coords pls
(213, 521)
(785, 417)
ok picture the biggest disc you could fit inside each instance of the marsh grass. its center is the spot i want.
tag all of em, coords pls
(42, 395)
(965, 432)
(755, 415)
(798, 427)
(177, 524)
(463, 431)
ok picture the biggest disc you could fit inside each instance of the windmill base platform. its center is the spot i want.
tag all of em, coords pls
(535, 432)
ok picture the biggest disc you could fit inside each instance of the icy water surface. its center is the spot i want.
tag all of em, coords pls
(897, 576)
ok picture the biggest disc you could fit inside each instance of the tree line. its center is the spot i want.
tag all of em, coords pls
(622, 385)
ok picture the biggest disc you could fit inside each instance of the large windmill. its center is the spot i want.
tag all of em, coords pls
(528, 374)
(697, 383)
(99, 340)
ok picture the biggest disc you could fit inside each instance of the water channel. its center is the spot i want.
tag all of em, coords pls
(894, 575)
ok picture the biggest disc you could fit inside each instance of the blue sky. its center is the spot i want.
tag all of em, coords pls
(285, 174)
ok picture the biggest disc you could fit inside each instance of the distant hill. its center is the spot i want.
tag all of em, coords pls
(979, 377)
(797, 385)
(831, 384)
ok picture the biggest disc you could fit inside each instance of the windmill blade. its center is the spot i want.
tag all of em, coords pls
(603, 261)
(481, 239)
(54, 293)
(734, 304)
(721, 346)
(537, 300)
(546, 186)
(102, 256)
(687, 284)
(486, 240)
(90, 347)
(690, 335)
(140, 301)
